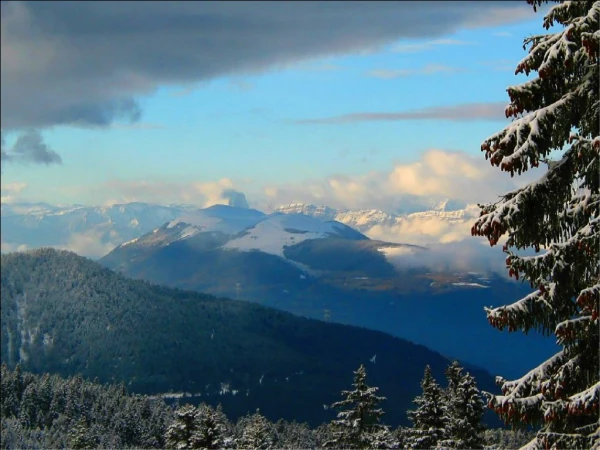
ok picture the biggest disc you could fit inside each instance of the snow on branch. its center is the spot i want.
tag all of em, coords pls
(532, 380)
(519, 142)
(569, 330)
(552, 188)
(586, 401)
(589, 300)
(522, 314)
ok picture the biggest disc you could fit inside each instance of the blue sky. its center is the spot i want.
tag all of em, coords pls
(247, 127)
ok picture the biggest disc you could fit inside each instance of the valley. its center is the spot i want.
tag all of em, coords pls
(68, 315)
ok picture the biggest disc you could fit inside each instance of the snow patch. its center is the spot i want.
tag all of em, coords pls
(277, 231)
(462, 283)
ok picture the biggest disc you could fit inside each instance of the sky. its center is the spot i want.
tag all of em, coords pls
(349, 104)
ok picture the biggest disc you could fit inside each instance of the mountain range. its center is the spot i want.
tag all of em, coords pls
(310, 260)
(365, 219)
(65, 314)
(329, 271)
(93, 231)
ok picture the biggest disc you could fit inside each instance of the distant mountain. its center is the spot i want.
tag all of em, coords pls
(364, 220)
(327, 270)
(92, 231)
(224, 250)
(65, 314)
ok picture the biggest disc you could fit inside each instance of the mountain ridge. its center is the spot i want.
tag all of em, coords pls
(102, 228)
(66, 314)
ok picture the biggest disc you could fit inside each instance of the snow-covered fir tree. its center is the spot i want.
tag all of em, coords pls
(79, 436)
(358, 422)
(256, 432)
(555, 120)
(211, 427)
(181, 434)
(463, 408)
(429, 417)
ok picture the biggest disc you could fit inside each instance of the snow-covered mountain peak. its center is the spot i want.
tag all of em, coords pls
(279, 230)
(319, 211)
(365, 219)
(223, 218)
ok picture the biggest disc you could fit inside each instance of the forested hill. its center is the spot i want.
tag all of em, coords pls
(64, 314)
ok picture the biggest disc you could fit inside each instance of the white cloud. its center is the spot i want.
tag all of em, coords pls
(468, 255)
(11, 191)
(436, 175)
(422, 231)
(201, 194)
(8, 247)
(88, 244)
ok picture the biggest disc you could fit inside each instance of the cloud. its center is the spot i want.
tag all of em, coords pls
(436, 175)
(317, 67)
(11, 191)
(430, 69)
(457, 113)
(467, 255)
(419, 230)
(7, 247)
(90, 244)
(427, 45)
(29, 147)
(201, 194)
(78, 63)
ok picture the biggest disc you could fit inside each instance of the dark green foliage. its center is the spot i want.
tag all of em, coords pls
(255, 432)
(554, 122)
(202, 427)
(463, 407)
(358, 423)
(428, 419)
(293, 435)
(500, 439)
(108, 417)
(78, 317)
(360, 256)
(52, 412)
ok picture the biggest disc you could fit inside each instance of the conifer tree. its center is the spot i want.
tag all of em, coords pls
(358, 423)
(429, 417)
(555, 121)
(79, 436)
(463, 410)
(211, 428)
(257, 432)
(182, 432)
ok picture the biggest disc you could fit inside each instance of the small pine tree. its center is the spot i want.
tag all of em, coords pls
(429, 417)
(463, 410)
(257, 433)
(210, 428)
(554, 113)
(79, 436)
(358, 423)
(181, 433)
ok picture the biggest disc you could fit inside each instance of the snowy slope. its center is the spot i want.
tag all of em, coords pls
(245, 230)
(226, 219)
(279, 230)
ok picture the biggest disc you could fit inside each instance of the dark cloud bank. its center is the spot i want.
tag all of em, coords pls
(87, 62)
